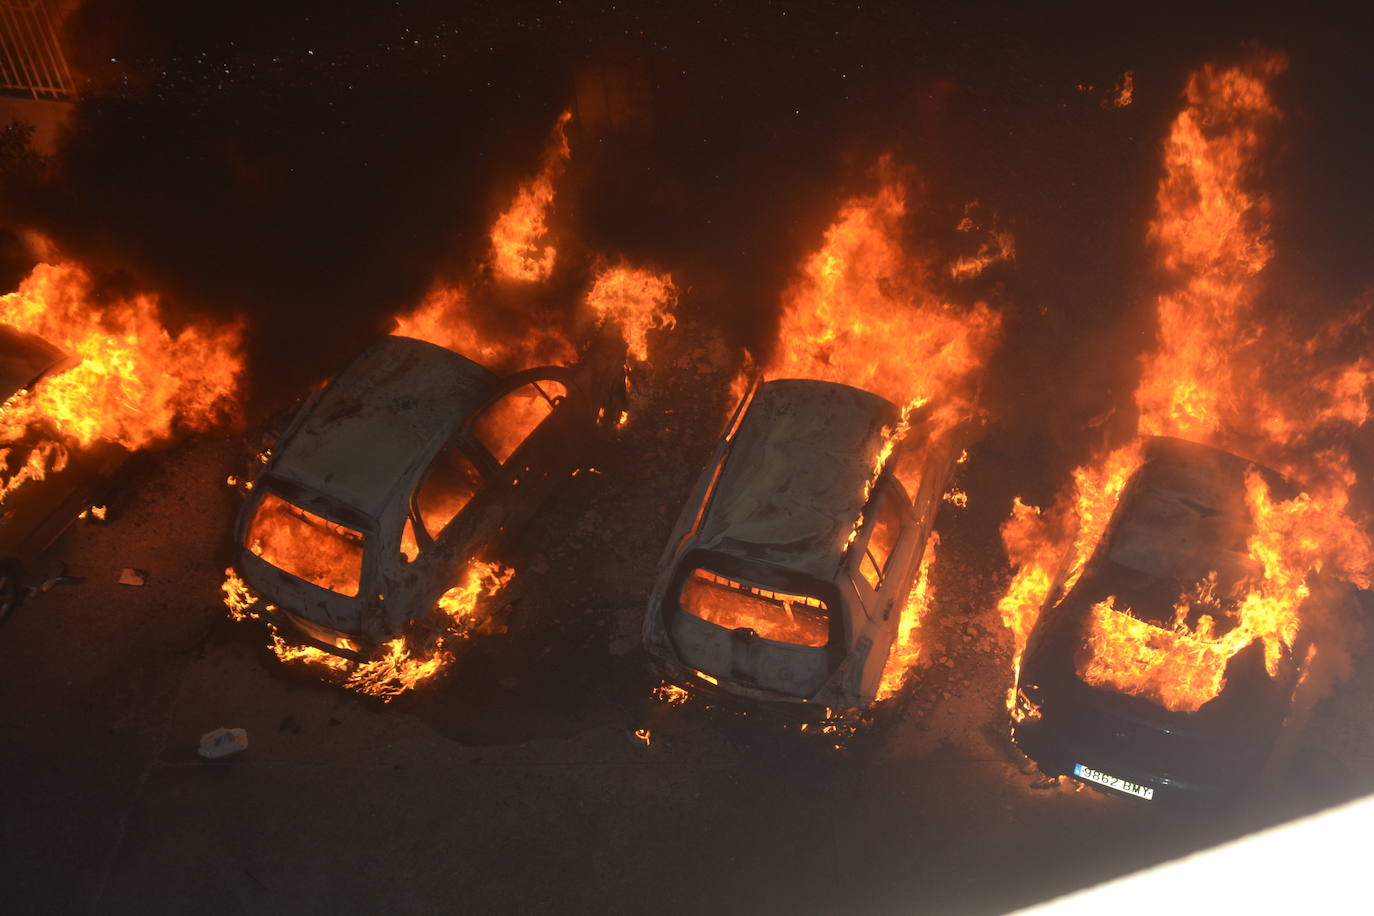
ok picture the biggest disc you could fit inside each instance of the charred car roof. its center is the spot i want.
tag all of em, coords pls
(376, 418)
(793, 483)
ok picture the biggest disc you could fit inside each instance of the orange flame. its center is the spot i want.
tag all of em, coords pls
(636, 299)
(518, 249)
(445, 318)
(1212, 233)
(1217, 376)
(997, 245)
(1181, 668)
(1125, 91)
(401, 665)
(906, 648)
(136, 381)
(866, 313)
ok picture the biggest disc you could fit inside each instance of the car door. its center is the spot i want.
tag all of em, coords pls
(482, 484)
(527, 435)
(882, 557)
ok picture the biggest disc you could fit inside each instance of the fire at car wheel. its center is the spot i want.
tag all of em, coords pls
(11, 586)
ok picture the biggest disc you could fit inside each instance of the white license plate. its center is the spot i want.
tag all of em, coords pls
(1113, 782)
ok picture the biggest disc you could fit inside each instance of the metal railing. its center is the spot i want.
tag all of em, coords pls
(31, 60)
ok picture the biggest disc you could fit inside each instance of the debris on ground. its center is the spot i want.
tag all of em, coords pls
(222, 742)
(33, 591)
(130, 576)
(60, 579)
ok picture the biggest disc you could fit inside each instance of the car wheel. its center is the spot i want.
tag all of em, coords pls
(11, 586)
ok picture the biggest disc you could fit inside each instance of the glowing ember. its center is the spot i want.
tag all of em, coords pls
(637, 300)
(518, 249)
(671, 694)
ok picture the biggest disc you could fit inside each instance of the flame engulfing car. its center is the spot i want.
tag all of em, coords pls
(38, 501)
(786, 574)
(1146, 677)
(404, 466)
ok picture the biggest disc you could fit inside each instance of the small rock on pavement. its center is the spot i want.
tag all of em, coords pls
(130, 576)
(222, 742)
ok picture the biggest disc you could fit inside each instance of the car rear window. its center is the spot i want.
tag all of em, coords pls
(802, 620)
(306, 546)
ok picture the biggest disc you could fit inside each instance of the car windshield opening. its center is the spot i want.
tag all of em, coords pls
(306, 546)
(802, 620)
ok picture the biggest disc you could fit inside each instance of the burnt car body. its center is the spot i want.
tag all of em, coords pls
(391, 478)
(38, 511)
(1181, 517)
(780, 583)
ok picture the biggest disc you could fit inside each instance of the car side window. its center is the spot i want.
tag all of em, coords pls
(887, 530)
(449, 484)
(503, 426)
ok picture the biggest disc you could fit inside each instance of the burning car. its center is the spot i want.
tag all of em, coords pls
(396, 473)
(786, 574)
(44, 486)
(1163, 668)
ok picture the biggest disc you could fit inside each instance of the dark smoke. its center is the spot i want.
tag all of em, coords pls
(314, 167)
